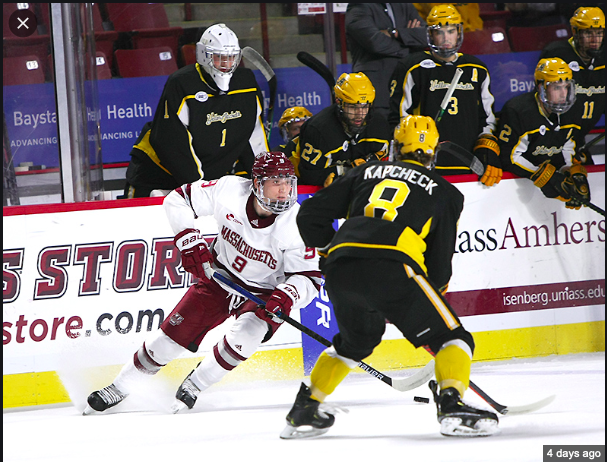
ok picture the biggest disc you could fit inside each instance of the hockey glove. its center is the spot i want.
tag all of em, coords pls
(487, 151)
(194, 251)
(279, 301)
(551, 182)
(576, 184)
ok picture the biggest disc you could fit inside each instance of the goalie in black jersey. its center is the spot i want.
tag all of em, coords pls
(584, 53)
(537, 135)
(419, 84)
(207, 123)
(390, 259)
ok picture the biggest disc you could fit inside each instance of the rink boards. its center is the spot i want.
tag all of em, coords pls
(84, 284)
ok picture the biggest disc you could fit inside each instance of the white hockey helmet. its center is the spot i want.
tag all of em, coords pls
(218, 52)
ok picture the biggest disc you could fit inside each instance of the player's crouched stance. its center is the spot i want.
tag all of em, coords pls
(390, 259)
(258, 246)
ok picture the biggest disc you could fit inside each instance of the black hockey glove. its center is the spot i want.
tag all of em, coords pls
(577, 186)
(551, 182)
(487, 151)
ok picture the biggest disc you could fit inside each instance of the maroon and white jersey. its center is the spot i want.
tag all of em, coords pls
(263, 253)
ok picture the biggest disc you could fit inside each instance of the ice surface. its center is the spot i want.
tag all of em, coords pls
(241, 422)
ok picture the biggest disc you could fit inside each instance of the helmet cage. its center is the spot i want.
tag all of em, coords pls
(557, 108)
(347, 111)
(275, 206)
(445, 52)
(591, 52)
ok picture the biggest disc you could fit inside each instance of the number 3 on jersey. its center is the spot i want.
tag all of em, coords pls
(386, 197)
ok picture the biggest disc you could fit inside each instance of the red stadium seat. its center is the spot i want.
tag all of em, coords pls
(147, 22)
(145, 62)
(22, 70)
(104, 39)
(188, 53)
(490, 40)
(536, 38)
(103, 68)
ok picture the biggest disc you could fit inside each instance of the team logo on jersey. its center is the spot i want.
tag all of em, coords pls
(223, 118)
(231, 217)
(345, 146)
(201, 96)
(427, 64)
(176, 319)
(543, 130)
(574, 66)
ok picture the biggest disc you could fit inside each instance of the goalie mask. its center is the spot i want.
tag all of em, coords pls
(588, 27)
(218, 52)
(555, 85)
(292, 115)
(274, 182)
(354, 95)
(445, 31)
(416, 138)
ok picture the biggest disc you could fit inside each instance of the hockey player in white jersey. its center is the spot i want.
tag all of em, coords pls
(258, 246)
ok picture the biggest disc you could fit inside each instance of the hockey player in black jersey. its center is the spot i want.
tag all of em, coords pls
(290, 125)
(342, 135)
(390, 259)
(207, 123)
(419, 84)
(537, 134)
(585, 55)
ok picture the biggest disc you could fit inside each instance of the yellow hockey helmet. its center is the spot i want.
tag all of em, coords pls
(292, 114)
(355, 88)
(442, 16)
(588, 20)
(550, 71)
(416, 132)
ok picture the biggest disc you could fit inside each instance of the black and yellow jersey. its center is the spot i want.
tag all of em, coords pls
(589, 84)
(527, 137)
(394, 210)
(323, 145)
(199, 131)
(419, 84)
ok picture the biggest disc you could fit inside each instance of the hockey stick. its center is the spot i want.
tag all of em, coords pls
(592, 142)
(464, 155)
(450, 90)
(511, 410)
(317, 66)
(404, 384)
(254, 57)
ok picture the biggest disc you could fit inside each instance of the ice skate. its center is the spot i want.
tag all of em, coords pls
(305, 419)
(459, 419)
(186, 395)
(104, 399)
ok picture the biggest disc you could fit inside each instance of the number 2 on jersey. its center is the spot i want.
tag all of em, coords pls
(386, 197)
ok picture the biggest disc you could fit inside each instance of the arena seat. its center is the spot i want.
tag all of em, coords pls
(490, 40)
(22, 70)
(145, 62)
(492, 17)
(188, 53)
(146, 23)
(536, 38)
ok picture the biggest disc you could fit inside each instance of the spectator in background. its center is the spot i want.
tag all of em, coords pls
(421, 80)
(470, 13)
(207, 123)
(379, 35)
(289, 125)
(534, 14)
(537, 135)
(585, 54)
(342, 136)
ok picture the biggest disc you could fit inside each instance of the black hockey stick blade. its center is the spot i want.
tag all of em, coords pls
(464, 155)
(404, 384)
(591, 206)
(317, 66)
(266, 70)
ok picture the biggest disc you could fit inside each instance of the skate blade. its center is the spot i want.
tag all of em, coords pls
(452, 426)
(178, 406)
(303, 431)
